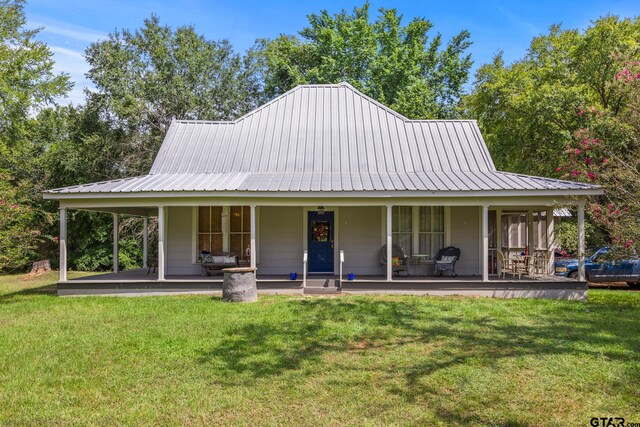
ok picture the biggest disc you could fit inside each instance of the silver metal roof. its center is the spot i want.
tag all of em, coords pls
(324, 138)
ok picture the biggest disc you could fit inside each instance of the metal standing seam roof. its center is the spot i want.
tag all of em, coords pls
(324, 138)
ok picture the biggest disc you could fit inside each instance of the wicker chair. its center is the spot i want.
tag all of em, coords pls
(396, 252)
(446, 260)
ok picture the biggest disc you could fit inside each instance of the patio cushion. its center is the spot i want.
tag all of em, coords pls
(447, 259)
(229, 260)
(207, 258)
(395, 261)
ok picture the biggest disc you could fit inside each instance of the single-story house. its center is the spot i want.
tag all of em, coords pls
(325, 181)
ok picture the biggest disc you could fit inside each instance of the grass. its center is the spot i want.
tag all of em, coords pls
(384, 360)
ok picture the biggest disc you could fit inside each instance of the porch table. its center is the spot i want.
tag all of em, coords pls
(421, 259)
(522, 264)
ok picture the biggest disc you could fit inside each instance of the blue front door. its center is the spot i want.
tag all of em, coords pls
(320, 242)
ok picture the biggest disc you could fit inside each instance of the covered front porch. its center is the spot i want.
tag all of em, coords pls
(329, 241)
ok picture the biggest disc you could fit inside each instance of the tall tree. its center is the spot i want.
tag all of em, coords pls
(147, 77)
(398, 65)
(527, 110)
(27, 83)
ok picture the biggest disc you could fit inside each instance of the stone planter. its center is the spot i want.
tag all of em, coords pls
(239, 285)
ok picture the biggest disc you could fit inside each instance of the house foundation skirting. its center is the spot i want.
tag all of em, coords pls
(569, 290)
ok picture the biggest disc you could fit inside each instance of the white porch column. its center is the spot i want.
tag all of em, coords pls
(253, 235)
(498, 239)
(530, 246)
(115, 242)
(581, 274)
(389, 244)
(161, 230)
(62, 241)
(551, 244)
(485, 243)
(145, 242)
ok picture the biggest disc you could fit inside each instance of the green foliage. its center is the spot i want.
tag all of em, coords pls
(27, 82)
(148, 77)
(400, 66)
(566, 234)
(606, 151)
(400, 360)
(531, 105)
(20, 238)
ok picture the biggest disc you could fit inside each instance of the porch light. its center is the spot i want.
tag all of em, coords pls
(320, 210)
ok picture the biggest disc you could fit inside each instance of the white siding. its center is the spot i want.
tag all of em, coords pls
(465, 234)
(179, 241)
(280, 243)
(360, 239)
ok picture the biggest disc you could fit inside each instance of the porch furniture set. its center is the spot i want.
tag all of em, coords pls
(443, 262)
(523, 265)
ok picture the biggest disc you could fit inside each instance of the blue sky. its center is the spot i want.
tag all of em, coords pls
(70, 26)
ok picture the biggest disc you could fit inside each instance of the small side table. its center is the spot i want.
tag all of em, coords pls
(421, 259)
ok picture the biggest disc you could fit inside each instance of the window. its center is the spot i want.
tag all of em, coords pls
(224, 229)
(239, 230)
(418, 229)
(431, 235)
(210, 229)
(402, 225)
(514, 230)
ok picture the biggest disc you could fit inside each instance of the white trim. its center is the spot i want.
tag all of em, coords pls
(225, 227)
(97, 204)
(485, 243)
(116, 237)
(252, 234)
(194, 234)
(62, 241)
(581, 238)
(145, 242)
(389, 242)
(551, 237)
(447, 226)
(336, 231)
(327, 194)
(161, 242)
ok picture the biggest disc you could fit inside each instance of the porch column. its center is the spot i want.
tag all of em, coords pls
(551, 244)
(62, 241)
(145, 242)
(253, 235)
(581, 274)
(389, 244)
(498, 239)
(530, 246)
(115, 242)
(161, 216)
(485, 243)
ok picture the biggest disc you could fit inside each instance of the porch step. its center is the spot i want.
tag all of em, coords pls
(321, 283)
(322, 291)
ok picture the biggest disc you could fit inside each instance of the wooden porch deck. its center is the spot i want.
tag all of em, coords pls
(138, 282)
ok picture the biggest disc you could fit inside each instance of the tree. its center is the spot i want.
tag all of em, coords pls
(530, 106)
(606, 150)
(146, 78)
(400, 66)
(27, 83)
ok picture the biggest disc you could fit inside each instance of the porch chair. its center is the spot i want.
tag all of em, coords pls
(399, 260)
(446, 260)
(508, 266)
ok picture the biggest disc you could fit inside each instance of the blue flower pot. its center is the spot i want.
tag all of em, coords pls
(293, 276)
(351, 276)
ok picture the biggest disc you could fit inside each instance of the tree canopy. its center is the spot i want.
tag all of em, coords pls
(399, 65)
(531, 106)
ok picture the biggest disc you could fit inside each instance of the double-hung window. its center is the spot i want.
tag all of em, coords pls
(224, 229)
(418, 229)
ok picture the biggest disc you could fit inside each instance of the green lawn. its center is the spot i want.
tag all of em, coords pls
(194, 360)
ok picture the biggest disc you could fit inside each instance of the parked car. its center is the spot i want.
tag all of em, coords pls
(599, 267)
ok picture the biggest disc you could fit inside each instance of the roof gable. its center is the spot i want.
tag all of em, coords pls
(323, 129)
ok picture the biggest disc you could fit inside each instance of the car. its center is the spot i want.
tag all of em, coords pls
(600, 267)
